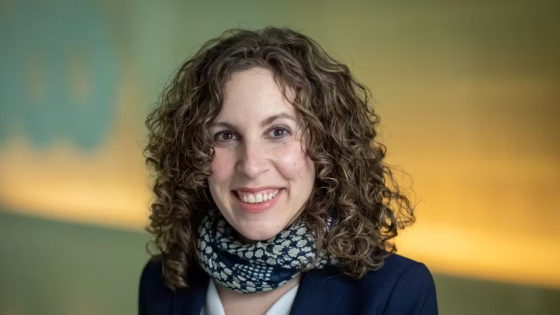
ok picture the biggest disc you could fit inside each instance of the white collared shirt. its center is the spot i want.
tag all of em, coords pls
(213, 304)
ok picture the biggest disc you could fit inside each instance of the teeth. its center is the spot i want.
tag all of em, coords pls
(252, 198)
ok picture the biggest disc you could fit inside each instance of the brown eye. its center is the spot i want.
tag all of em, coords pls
(279, 132)
(224, 136)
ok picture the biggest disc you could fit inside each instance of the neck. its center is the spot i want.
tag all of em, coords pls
(243, 239)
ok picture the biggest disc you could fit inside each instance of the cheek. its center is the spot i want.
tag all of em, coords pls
(221, 167)
(294, 165)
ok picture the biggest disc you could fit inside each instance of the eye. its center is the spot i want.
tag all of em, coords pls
(225, 136)
(279, 132)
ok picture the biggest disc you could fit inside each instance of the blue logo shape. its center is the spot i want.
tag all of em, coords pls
(37, 88)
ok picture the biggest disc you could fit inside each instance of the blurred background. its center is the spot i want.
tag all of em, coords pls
(469, 98)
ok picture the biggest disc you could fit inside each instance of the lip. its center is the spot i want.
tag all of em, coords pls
(256, 189)
(258, 207)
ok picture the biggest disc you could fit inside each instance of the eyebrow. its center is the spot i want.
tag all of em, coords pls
(264, 123)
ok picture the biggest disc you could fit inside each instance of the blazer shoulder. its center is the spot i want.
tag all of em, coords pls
(393, 268)
(396, 261)
(156, 298)
(412, 287)
(400, 286)
(153, 294)
(152, 274)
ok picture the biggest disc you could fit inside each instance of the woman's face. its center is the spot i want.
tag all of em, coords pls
(260, 175)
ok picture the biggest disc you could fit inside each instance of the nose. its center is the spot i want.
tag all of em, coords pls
(253, 160)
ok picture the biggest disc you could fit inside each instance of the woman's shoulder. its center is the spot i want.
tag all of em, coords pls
(151, 279)
(400, 286)
(408, 286)
(154, 296)
(395, 269)
(152, 274)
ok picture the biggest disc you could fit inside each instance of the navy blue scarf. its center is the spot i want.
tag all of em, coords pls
(259, 266)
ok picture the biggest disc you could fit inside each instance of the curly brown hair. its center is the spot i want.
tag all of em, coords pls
(351, 176)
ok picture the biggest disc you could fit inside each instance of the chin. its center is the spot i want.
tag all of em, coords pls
(260, 232)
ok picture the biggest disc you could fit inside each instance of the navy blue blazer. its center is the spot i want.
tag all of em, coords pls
(401, 287)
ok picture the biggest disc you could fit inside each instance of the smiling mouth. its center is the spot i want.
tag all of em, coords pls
(258, 201)
(257, 197)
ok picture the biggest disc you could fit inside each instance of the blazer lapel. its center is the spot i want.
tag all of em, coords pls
(190, 301)
(320, 292)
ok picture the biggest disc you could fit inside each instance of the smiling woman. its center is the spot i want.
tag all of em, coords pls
(263, 155)
(272, 196)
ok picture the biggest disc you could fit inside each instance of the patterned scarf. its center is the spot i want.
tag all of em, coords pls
(255, 267)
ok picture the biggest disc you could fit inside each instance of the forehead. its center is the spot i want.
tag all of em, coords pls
(253, 94)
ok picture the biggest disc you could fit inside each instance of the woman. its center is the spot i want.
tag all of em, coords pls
(271, 195)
